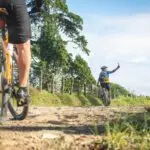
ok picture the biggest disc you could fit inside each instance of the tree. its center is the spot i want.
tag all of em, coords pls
(118, 90)
(68, 23)
(83, 73)
(49, 45)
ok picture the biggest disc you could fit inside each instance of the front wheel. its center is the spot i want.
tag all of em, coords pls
(18, 112)
(4, 99)
(106, 97)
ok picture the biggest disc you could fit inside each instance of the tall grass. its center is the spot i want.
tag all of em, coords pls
(131, 101)
(44, 98)
(130, 133)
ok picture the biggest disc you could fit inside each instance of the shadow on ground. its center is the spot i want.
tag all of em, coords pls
(87, 130)
(135, 119)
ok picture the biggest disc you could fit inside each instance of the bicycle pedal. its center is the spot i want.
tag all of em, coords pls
(21, 103)
(3, 60)
(7, 90)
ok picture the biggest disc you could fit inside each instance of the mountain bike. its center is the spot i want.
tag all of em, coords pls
(105, 96)
(9, 84)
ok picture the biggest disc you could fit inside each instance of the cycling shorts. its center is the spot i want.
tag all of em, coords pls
(18, 23)
(105, 85)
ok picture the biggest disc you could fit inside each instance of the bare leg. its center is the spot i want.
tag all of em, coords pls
(24, 62)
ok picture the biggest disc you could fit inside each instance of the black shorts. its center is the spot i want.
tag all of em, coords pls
(105, 85)
(18, 23)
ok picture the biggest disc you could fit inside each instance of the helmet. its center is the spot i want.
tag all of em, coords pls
(104, 67)
(3, 16)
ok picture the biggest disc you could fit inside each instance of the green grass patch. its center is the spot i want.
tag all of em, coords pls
(129, 133)
(95, 101)
(44, 98)
(129, 101)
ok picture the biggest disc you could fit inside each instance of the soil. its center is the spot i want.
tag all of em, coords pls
(60, 128)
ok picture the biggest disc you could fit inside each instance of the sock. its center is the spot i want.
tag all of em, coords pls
(23, 88)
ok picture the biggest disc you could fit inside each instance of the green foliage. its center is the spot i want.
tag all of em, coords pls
(118, 90)
(56, 27)
(94, 100)
(82, 70)
(57, 12)
(131, 132)
(45, 98)
(131, 101)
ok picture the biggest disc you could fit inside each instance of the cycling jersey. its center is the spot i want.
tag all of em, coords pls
(104, 75)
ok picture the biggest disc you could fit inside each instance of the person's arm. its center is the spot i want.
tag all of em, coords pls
(114, 69)
(98, 80)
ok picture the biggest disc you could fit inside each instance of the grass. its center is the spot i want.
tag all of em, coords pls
(129, 101)
(130, 133)
(45, 98)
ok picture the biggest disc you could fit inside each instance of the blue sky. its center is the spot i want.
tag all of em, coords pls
(117, 31)
(127, 7)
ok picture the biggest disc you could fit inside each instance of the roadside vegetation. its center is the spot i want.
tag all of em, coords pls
(45, 98)
(58, 78)
(130, 132)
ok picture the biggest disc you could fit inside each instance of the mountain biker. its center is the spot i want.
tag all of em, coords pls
(104, 76)
(18, 26)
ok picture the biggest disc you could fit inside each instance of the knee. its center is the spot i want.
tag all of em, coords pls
(24, 45)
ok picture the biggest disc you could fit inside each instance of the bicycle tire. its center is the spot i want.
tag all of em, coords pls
(8, 96)
(21, 115)
(3, 84)
(106, 97)
(24, 109)
(4, 99)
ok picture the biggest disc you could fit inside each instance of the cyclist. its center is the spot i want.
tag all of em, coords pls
(104, 77)
(19, 34)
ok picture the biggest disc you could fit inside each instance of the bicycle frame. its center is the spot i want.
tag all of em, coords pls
(7, 72)
(17, 106)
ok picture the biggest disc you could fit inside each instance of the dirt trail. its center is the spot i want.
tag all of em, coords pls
(57, 128)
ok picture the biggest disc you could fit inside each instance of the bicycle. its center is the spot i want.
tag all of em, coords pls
(9, 84)
(105, 96)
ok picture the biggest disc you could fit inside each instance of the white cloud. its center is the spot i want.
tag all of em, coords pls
(124, 39)
(136, 24)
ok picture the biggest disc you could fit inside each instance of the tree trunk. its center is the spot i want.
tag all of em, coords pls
(84, 89)
(41, 80)
(78, 87)
(62, 85)
(52, 85)
(71, 88)
(48, 87)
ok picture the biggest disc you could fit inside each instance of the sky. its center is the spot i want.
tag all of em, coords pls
(117, 31)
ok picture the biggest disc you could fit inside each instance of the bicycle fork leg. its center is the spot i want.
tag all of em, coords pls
(4, 101)
(4, 106)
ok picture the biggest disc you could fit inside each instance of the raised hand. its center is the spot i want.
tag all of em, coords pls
(118, 65)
